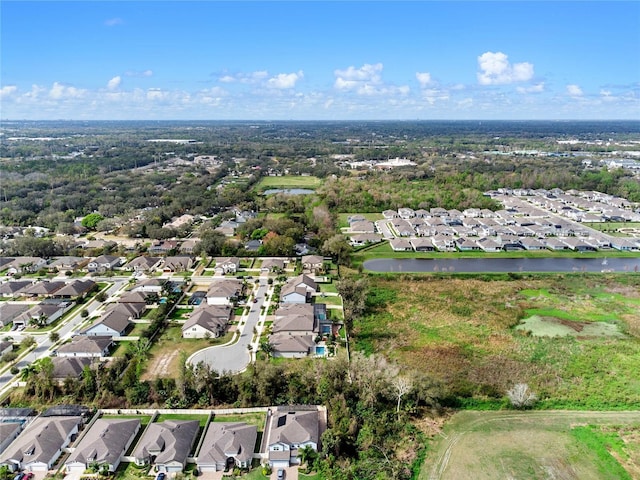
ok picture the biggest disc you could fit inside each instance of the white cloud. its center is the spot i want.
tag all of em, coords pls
(353, 78)
(59, 91)
(156, 94)
(495, 69)
(8, 90)
(574, 90)
(433, 95)
(424, 78)
(251, 78)
(114, 83)
(285, 80)
(113, 22)
(537, 88)
(136, 73)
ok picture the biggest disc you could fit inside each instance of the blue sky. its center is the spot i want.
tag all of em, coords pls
(277, 60)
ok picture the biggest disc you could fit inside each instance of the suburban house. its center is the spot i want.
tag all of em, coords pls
(298, 290)
(42, 289)
(85, 346)
(151, 285)
(46, 313)
(227, 445)
(41, 443)
(8, 433)
(105, 443)
(209, 321)
(69, 367)
(20, 265)
(13, 288)
(227, 265)
(292, 346)
(224, 292)
(312, 263)
(112, 324)
(10, 311)
(272, 265)
(76, 288)
(400, 245)
(143, 264)
(295, 319)
(180, 263)
(163, 247)
(189, 245)
(104, 263)
(289, 430)
(167, 445)
(66, 263)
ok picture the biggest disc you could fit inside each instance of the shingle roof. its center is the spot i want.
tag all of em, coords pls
(105, 441)
(85, 344)
(294, 427)
(41, 440)
(171, 440)
(224, 440)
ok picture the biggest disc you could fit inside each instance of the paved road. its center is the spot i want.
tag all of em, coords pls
(234, 358)
(43, 348)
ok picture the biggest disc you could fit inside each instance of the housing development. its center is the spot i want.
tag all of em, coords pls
(318, 300)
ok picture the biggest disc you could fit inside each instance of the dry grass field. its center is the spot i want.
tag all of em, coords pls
(462, 332)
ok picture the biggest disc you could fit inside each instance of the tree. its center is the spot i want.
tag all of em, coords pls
(54, 337)
(338, 248)
(402, 385)
(266, 347)
(521, 396)
(307, 455)
(91, 221)
(354, 294)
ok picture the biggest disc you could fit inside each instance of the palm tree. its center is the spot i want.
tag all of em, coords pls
(307, 455)
(267, 348)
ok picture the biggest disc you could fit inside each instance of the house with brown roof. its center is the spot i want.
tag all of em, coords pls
(14, 288)
(10, 311)
(298, 289)
(143, 264)
(69, 367)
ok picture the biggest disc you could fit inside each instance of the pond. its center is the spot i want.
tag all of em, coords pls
(480, 265)
(289, 191)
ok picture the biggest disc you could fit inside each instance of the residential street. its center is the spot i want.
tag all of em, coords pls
(235, 357)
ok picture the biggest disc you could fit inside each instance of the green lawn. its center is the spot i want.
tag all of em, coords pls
(256, 419)
(288, 181)
(202, 419)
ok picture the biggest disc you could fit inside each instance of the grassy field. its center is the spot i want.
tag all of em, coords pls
(536, 445)
(288, 181)
(202, 419)
(461, 332)
(165, 354)
(256, 419)
(383, 250)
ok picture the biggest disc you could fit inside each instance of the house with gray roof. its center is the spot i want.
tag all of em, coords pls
(224, 291)
(42, 289)
(8, 432)
(69, 367)
(227, 445)
(167, 445)
(105, 443)
(289, 430)
(6, 346)
(41, 443)
(143, 264)
(86, 346)
(13, 288)
(208, 321)
(291, 346)
(76, 288)
(67, 263)
(179, 263)
(10, 311)
(104, 263)
(298, 289)
(45, 312)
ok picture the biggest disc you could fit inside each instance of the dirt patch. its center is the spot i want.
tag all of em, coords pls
(540, 326)
(160, 366)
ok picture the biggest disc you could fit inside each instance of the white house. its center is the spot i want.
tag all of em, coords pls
(207, 322)
(227, 445)
(289, 431)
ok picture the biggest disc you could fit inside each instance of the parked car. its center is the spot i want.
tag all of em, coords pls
(161, 476)
(280, 474)
(28, 476)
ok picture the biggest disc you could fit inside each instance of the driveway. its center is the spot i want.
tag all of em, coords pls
(234, 358)
(290, 473)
